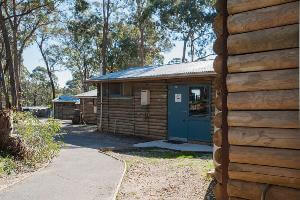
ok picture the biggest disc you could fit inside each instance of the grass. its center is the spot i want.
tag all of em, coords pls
(7, 165)
(198, 161)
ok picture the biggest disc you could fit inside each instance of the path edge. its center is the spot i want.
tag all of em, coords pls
(123, 173)
(30, 174)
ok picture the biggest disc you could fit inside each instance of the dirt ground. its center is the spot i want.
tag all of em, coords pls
(154, 174)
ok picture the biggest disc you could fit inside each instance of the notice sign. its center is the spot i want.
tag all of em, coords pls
(177, 98)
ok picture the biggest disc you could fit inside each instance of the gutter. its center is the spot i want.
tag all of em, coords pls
(191, 75)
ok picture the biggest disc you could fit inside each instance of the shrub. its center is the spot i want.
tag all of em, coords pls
(37, 137)
(7, 165)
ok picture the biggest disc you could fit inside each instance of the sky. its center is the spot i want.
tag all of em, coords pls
(32, 59)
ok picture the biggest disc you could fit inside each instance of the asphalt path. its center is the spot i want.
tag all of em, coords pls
(80, 172)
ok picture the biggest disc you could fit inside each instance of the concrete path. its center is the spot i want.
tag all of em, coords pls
(80, 172)
(178, 147)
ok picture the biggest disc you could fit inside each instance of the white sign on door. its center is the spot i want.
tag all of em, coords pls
(177, 98)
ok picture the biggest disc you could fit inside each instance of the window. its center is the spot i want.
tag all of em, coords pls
(117, 89)
(199, 101)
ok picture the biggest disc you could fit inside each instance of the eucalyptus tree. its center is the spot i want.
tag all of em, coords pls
(49, 49)
(79, 42)
(36, 86)
(190, 21)
(19, 21)
(153, 40)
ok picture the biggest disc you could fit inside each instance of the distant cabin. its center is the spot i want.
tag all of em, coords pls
(64, 106)
(174, 102)
(88, 106)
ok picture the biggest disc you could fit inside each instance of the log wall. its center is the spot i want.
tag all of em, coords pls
(126, 115)
(64, 110)
(262, 99)
(87, 109)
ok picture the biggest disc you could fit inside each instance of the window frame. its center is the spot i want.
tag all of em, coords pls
(208, 114)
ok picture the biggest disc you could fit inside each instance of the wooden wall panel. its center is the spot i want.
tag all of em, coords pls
(263, 98)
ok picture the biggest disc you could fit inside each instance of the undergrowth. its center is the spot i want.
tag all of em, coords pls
(38, 140)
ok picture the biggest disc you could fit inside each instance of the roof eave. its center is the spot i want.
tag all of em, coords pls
(184, 75)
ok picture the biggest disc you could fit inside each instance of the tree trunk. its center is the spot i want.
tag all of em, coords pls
(48, 69)
(192, 48)
(142, 48)
(105, 13)
(142, 32)
(85, 77)
(5, 128)
(184, 49)
(9, 61)
(15, 54)
(3, 84)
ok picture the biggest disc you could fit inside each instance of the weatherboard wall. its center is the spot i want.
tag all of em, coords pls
(64, 110)
(126, 115)
(88, 115)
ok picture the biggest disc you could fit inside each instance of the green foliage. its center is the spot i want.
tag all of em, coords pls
(7, 164)
(38, 137)
(37, 87)
(189, 21)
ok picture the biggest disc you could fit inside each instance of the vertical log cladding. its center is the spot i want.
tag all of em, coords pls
(218, 24)
(263, 18)
(217, 137)
(264, 40)
(224, 93)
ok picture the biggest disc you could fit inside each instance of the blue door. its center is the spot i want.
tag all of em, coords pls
(177, 112)
(189, 112)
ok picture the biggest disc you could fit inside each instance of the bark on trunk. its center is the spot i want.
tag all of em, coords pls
(40, 45)
(184, 49)
(9, 61)
(142, 52)
(105, 12)
(4, 88)
(16, 54)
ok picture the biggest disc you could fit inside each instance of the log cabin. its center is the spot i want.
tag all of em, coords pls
(64, 106)
(88, 106)
(174, 102)
(256, 139)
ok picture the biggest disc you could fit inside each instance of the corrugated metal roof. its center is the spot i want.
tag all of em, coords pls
(165, 71)
(66, 99)
(92, 93)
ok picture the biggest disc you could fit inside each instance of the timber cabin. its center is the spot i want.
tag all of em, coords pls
(174, 102)
(64, 106)
(88, 106)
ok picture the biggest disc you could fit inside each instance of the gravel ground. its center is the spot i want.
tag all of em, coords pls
(162, 174)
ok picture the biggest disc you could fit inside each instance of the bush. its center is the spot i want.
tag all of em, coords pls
(7, 165)
(37, 137)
